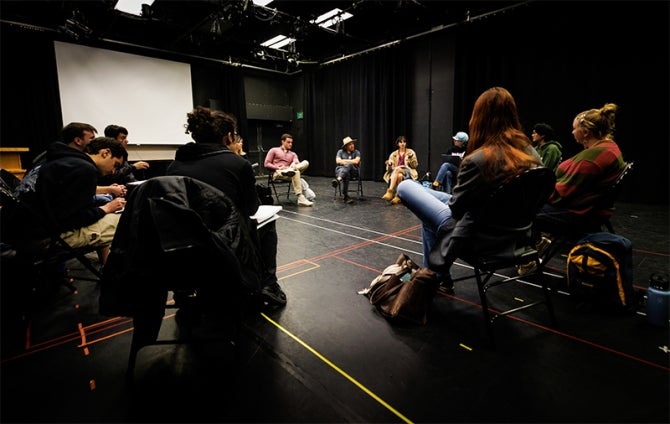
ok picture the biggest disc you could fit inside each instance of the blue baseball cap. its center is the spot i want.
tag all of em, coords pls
(461, 136)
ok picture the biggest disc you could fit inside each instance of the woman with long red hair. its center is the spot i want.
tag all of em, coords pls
(497, 151)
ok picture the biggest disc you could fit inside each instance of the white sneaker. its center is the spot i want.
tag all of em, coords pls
(302, 201)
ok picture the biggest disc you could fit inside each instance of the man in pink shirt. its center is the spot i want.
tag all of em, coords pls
(285, 165)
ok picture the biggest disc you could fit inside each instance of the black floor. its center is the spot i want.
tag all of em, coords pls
(329, 357)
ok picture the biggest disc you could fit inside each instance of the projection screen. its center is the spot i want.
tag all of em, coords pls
(150, 97)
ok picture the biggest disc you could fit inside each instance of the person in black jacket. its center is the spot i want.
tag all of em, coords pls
(64, 196)
(125, 173)
(210, 161)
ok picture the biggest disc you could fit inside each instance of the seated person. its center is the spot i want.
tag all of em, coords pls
(549, 150)
(125, 174)
(444, 216)
(581, 180)
(446, 175)
(209, 161)
(400, 165)
(347, 160)
(285, 165)
(76, 135)
(64, 194)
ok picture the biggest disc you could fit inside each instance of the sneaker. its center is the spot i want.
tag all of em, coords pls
(287, 172)
(273, 295)
(302, 201)
(348, 200)
(335, 183)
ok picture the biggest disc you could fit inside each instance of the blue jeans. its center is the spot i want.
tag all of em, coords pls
(346, 172)
(430, 206)
(445, 175)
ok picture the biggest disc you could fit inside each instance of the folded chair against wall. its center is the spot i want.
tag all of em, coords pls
(180, 235)
(502, 241)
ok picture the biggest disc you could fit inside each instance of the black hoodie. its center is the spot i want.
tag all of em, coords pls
(215, 165)
(64, 192)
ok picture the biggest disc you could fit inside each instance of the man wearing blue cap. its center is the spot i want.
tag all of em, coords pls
(452, 159)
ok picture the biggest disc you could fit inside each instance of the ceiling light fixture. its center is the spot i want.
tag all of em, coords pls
(132, 7)
(262, 2)
(331, 18)
(278, 42)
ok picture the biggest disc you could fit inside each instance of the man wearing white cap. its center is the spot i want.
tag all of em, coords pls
(452, 159)
(347, 161)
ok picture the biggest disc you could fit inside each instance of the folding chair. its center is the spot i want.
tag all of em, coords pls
(595, 224)
(170, 240)
(502, 240)
(38, 265)
(357, 179)
(274, 183)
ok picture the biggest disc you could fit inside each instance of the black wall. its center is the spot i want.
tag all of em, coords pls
(557, 59)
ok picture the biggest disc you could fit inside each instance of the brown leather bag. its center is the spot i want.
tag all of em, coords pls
(409, 300)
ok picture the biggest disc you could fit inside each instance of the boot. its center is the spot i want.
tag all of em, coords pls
(395, 200)
(389, 194)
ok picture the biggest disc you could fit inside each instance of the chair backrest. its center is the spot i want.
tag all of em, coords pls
(515, 203)
(610, 196)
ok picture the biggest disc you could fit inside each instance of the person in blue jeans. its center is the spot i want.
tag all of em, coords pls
(452, 159)
(498, 151)
(432, 209)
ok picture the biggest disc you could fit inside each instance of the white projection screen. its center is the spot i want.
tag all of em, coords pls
(150, 97)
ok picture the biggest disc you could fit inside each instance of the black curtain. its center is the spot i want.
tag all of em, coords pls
(220, 86)
(365, 98)
(30, 108)
(561, 58)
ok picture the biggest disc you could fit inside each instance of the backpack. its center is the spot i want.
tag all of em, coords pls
(600, 272)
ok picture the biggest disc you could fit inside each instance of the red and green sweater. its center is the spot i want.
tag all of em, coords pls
(582, 179)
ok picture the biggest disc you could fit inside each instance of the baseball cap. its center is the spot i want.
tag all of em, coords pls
(461, 136)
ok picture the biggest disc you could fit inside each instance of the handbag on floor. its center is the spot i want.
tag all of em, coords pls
(406, 294)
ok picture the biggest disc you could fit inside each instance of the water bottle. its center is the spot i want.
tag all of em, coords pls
(658, 299)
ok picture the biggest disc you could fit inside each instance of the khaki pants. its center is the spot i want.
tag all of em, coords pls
(98, 234)
(295, 179)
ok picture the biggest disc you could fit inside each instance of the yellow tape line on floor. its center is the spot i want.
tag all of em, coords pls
(336, 368)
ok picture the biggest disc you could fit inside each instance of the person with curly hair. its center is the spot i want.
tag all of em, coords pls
(210, 161)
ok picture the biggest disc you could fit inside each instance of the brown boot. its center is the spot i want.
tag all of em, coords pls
(389, 194)
(395, 200)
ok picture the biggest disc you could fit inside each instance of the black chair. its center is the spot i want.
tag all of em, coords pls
(274, 183)
(34, 275)
(502, 240)
(607, 201)
(357, 181)
(176, 235)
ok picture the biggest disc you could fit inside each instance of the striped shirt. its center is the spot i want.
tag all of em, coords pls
(581, 180)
